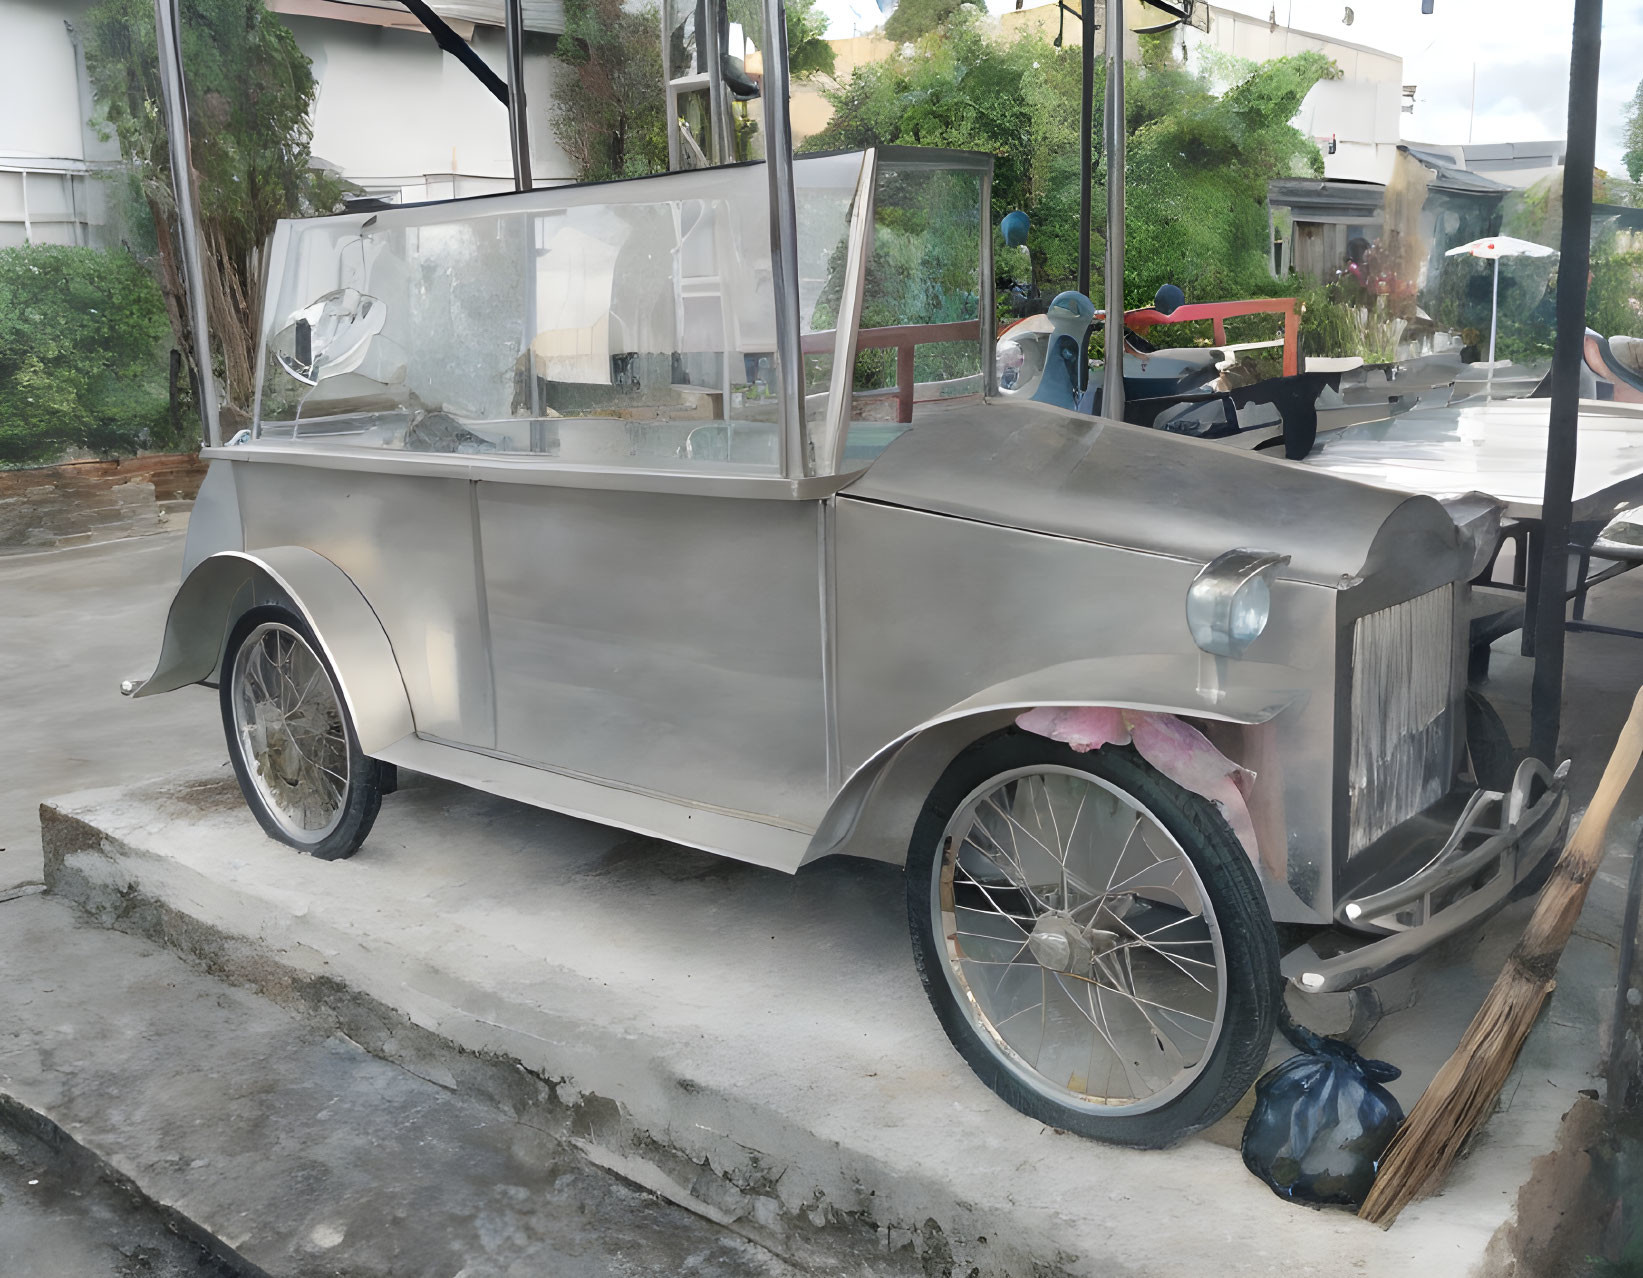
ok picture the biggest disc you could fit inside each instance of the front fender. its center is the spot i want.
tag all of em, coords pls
(1243, 692)
(223, 587)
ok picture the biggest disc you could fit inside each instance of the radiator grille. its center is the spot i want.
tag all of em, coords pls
(1402, 723)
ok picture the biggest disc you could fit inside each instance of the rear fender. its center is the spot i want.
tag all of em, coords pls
(221, 588)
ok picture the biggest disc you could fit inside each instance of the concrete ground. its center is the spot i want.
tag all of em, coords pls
(60, 1218)
(752, 1044)
(305, 1153)
(73, 623)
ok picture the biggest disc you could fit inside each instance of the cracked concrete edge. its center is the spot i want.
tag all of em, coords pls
(28, 1125)
(1568, 1209)
(723, 1181)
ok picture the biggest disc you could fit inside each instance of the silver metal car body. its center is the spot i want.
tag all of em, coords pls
(678, 616)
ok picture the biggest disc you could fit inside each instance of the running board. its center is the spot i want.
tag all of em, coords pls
(743, 838)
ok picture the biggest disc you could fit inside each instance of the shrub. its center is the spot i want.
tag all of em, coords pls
(83, 351)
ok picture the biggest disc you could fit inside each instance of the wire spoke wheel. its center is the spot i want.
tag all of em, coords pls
(291, 733)
(1080, 939)
(1093, 938)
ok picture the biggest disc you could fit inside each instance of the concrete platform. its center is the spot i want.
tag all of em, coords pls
(757, 1047)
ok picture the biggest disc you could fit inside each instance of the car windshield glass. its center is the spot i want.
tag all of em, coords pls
(625, 324)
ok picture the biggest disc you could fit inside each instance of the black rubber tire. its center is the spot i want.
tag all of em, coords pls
(1240, 909)
(1488, 744)
(364, 796)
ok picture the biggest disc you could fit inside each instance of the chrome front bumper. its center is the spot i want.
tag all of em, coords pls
(1497, 842)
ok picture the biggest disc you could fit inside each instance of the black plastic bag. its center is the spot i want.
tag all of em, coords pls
(1322, 1120)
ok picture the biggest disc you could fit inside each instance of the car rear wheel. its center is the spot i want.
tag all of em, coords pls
(292, 744)
(1093, 938)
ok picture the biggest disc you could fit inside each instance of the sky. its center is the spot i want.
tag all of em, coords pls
(1519, 48)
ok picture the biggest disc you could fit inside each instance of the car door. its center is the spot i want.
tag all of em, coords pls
(669, 642)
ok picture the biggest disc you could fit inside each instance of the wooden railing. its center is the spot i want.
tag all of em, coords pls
(903, 339)
(1144, 319)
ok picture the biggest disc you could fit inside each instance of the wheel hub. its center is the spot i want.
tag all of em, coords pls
(1061, 944)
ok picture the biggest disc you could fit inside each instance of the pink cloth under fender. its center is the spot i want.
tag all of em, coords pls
(1174, 747)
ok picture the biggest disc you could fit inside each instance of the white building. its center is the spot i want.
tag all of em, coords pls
(405, 120)
(1354, 120)
(47, 151)
(393, 113)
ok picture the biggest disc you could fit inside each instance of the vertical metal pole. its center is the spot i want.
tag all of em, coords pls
(722, 148)
(1623, 984)
(519, 139)
(1549, 606)
(1494, 323)
(174, 99)
(1086, 135)
(1112, 384)
(989, 303)
(784, 240)
(671, 101)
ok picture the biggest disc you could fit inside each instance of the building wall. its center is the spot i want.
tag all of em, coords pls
(1361, 112)
(46, 149)
(39, 88)
(1360, 117)
(397, 115)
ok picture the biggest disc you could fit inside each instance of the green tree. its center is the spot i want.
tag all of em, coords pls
(83, 335)
(912, 19)
(1198, 168)
(250, 97)
(609, 112)
(1632, 135)
(807, 49)
(1199, 162)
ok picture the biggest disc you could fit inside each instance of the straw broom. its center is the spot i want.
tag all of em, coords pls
(1464, 1092)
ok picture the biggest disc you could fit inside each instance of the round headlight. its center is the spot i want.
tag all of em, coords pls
(1010, 360)
(1230, 600)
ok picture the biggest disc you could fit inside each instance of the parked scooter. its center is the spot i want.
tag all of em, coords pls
(1044, 354)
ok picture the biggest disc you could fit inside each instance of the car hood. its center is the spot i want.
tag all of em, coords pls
(1024, 465)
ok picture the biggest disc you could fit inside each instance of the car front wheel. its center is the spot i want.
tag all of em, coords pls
(292, 744)
(1093, 938)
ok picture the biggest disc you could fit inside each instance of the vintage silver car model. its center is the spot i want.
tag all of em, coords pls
(606, 499)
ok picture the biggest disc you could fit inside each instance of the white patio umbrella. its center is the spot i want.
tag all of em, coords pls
(1497, 247)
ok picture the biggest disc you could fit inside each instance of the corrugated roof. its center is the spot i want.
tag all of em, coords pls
(1310, 198)
(1451, 177)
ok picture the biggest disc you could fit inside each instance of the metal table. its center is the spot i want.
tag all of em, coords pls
(1499, 448)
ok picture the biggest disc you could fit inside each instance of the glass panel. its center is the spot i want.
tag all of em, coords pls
(621, 324)
(920, 341)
